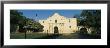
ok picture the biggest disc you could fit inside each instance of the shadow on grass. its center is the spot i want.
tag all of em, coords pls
(87, 36)
(52, 36)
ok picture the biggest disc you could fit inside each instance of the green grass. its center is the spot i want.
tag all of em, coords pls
(36, 35)
(28, 35)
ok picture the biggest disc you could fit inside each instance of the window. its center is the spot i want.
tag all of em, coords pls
(69, 26)
(43, 21)
(55, 21)
(69, 20)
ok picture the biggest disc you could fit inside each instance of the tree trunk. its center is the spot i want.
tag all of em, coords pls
(17, 29)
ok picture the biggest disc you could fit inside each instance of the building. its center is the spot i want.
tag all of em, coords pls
(59, 24)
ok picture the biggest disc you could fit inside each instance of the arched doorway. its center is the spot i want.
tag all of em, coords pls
(56, 30)
(83, 31)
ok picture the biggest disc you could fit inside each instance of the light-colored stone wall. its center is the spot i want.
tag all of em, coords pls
(65, 25)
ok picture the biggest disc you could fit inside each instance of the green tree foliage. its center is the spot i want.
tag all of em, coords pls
(91, 18)
(35, 26)
(38, 26)
(17, 19)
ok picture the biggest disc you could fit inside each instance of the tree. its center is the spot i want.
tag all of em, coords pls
(16, 19)
(91, 18)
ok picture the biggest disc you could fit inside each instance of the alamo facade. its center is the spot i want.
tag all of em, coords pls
(59, 24)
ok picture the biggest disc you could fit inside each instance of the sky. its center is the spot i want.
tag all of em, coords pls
(44, 14)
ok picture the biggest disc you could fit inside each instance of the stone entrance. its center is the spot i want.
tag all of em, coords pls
(59, 24)
(56, 30)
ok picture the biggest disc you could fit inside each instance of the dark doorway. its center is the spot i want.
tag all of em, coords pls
(83, 31)
(56, 30)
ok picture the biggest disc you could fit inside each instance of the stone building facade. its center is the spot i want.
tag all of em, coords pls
(59, 24)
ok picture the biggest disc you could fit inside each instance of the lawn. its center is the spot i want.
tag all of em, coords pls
(36, 35)
(29, 35)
